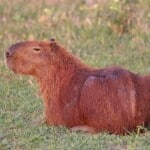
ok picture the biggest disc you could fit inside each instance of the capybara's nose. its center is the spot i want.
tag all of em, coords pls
(8, 54)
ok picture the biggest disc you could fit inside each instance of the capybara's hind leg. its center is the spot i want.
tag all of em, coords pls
(83, 128)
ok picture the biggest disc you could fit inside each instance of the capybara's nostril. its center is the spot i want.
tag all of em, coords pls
(8, 54)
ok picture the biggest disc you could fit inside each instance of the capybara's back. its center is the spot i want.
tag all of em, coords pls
(81, 97)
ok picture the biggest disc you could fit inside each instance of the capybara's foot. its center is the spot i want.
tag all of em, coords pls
(83, 128)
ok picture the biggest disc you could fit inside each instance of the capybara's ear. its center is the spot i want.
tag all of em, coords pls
(54, 46)
(52, 39)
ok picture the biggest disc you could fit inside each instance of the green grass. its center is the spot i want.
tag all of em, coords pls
(86, 32)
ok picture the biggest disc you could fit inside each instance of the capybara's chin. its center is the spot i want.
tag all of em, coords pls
(15, 67)
(10, 64)
(19, 67)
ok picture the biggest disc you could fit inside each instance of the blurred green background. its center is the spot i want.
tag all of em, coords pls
(101, 32)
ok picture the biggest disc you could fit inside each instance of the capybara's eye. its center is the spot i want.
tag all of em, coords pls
(36, 49)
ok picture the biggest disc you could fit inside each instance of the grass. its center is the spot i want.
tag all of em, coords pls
(86, 31)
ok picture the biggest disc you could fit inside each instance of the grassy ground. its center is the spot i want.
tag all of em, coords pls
(95, 34)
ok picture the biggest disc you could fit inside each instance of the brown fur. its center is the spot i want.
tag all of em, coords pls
(81, 97)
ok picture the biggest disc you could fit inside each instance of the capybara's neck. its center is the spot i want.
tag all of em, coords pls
(55, 76)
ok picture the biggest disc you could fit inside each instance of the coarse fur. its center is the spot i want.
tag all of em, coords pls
(81, 97)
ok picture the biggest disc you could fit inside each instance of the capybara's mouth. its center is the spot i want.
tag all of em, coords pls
(10, 64)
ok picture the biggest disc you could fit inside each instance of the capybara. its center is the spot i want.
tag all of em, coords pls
(81, 97)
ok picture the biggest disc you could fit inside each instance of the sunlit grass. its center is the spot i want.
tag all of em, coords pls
(85, 31)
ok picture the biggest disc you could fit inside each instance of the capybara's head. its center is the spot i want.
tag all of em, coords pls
(31, 57)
